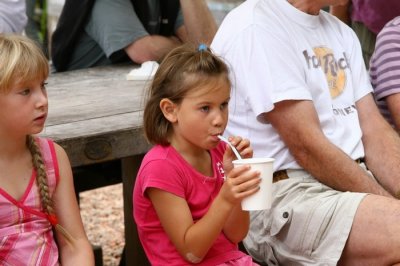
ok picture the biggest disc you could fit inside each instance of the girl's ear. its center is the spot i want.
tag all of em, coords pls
(169, 109)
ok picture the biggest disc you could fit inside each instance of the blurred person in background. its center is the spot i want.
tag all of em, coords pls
(102, 32)
(367, 18)
(385, 72)
(12, 16)
(36, 27)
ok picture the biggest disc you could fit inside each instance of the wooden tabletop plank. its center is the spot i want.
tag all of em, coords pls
(92, 93)
(96, 114)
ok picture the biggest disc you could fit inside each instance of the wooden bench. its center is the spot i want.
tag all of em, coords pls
(95, 114)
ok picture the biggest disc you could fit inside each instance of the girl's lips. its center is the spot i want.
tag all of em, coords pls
(215, 138)
(40, 119)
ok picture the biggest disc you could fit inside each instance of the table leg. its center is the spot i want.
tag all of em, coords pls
(134, 254)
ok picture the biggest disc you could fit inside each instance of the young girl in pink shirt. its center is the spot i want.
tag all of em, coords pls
(187, 194)
(36, 185)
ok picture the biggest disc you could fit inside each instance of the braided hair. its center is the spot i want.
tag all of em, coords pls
(41, 181)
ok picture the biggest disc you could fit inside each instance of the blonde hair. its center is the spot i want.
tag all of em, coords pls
(21, 60)
(184, 69)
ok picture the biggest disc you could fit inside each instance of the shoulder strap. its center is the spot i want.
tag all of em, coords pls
(50, 160)
(169, 13)
(157, 16)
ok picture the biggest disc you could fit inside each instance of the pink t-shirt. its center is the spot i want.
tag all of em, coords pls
(164, 168)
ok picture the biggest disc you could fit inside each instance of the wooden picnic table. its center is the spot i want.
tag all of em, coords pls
(95, 114)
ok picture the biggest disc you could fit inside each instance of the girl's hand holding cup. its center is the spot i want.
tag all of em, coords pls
(243, 184)
(242, 146)
(241, 181)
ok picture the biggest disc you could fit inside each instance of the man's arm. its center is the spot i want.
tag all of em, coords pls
(151, 48)
(200, 25)
(382, 145)
(298, 125)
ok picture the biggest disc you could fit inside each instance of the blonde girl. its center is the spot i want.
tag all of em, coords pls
(187, 194)
(36, 186)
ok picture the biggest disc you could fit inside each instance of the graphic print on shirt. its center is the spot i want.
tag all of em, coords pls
(220, 168)
(334, 69)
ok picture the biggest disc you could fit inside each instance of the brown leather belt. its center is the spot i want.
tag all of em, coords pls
(282, 174)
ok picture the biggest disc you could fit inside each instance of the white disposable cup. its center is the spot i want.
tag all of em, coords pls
(262, 199)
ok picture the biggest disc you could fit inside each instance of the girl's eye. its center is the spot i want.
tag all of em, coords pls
(25, 92)
(44, 84)
(224, 105)
(205, 108)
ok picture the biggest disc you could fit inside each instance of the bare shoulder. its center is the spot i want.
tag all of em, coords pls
(63, 160)
(60, 151)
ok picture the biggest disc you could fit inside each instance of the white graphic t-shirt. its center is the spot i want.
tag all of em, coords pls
(281, 53)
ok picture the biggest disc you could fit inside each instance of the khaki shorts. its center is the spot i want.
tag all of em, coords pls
(308, 223)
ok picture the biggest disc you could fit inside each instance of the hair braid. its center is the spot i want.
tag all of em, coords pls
(41, 180)
(41, 176)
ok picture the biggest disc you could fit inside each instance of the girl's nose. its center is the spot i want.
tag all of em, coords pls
(219, 119)
(41, 100)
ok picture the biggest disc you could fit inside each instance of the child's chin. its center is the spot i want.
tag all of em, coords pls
(212, 146)
(37, 130)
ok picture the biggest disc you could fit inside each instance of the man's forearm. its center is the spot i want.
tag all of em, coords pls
(199, 22)
(315, 153)
(334, 168)
(340, 172)
(381, 145)
(151, 48)
(383, 157)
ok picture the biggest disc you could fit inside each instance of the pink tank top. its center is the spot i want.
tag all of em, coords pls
(26, 235)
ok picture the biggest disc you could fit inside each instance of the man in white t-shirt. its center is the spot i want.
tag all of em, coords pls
(302, 95)
(12, 16)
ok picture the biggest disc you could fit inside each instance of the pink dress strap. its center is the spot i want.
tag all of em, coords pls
(26, 235)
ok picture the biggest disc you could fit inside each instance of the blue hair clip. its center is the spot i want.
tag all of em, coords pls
(202, 47)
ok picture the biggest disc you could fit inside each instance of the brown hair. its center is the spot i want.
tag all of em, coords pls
(183, 69)
(21, 60)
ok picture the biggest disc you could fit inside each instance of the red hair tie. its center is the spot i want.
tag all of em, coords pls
(52, 219)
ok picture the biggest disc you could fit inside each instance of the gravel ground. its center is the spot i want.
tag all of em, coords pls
(103, 218)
